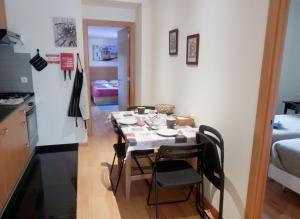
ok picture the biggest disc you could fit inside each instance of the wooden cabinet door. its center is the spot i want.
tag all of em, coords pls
(20, 141)
(4, 178)
(14, 152)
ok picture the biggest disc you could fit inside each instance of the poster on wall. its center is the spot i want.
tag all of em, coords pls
(64, 32)
(105, 53)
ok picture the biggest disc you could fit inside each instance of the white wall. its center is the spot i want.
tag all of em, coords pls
(33, 20)
(144, 53)
(108, 13)
(222, 91)
(289, 88)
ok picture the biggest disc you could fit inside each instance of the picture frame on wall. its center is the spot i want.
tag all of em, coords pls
(173, 42)
(64, 29)
(192, 49)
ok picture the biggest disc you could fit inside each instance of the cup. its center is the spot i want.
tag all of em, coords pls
(140, 120)
(141, 110)
(171, 122)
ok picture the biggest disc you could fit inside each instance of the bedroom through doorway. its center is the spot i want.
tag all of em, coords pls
(103, 65)
(109, 48)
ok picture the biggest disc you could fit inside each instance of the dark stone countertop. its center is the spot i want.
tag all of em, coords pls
(5, 111)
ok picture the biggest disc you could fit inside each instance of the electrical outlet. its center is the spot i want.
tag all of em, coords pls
(24, 80)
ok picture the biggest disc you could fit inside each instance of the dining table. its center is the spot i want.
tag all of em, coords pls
(148, 131)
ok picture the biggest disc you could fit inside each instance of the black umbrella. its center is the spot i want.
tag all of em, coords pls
(74, 110)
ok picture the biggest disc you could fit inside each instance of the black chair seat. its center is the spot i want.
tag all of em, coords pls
(176, 173)
(120, 150)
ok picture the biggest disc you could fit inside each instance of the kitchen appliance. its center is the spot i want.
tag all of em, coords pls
(9, 37)
(16, 98)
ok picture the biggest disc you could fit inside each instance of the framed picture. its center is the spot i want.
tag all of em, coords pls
(173, 42)
(192, 49)
(64, 32)
(105, 53)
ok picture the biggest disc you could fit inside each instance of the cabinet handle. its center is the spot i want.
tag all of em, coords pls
(3, 131)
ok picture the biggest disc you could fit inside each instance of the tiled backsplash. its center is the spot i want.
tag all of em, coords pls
(13, 66)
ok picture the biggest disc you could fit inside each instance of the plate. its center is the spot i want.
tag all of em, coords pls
(128, 121)
(167, 132)
(154, 127)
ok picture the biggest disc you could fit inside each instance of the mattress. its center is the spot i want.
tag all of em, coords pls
(105, 100)
(285, 155)
(290, 127)
(104, 90)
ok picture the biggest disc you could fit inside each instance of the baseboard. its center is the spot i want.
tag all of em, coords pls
(56, 148)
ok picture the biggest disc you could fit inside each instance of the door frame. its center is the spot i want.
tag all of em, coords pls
(132, 67)
(267, 99)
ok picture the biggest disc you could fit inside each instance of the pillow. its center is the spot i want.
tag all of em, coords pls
(114, 83)
(100, 82)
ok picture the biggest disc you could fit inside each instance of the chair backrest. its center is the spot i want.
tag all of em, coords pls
(180, 151)
(213, 161)
(117, 130)
(131, 108)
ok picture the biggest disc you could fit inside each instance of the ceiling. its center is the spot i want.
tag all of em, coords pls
(103, 31)
(113, 3)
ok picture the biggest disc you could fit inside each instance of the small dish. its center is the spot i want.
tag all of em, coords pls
(128, 121)
(167, 132)
(154, 127)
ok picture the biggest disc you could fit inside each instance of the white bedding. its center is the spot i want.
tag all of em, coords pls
(290, 127)
(285, 155)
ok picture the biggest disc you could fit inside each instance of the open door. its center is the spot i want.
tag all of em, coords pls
(123, 68)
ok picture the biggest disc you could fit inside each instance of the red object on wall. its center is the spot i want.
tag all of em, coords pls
(67, 61)
(52, 58)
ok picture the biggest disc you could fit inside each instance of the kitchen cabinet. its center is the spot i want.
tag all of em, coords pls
(2, 15)
(14, 152)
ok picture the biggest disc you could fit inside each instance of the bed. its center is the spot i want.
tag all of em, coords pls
(285, 152)
(105, 92)
(290, 127)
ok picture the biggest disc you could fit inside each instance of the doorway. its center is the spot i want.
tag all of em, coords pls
(269, 86)
(109, 51)
(282, 195)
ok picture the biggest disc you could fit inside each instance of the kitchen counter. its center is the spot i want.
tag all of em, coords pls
(5, 111)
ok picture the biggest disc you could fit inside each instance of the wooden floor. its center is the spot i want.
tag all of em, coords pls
(279, 203)
(95, 199)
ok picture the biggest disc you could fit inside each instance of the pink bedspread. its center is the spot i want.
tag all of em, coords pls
(104, 90)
